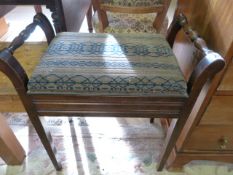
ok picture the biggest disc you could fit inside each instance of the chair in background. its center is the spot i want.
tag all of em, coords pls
(89, 18)
(126, 16)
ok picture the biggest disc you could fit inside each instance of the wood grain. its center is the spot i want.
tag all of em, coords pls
(212, 19)
(219, 111)
(183, 158)
(227, 81)
(206, 138)
(11, 150)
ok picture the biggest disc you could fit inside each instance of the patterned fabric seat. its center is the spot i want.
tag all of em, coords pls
(132, 3)
(130, 16)
(109, 65)
(129, 23)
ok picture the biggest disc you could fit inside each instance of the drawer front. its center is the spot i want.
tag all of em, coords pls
(210, 138)
(219, 111)
(227, 83)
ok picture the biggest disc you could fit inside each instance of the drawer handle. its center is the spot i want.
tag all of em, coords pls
(223, 143)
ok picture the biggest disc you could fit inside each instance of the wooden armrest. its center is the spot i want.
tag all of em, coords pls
(9, 64)
(40, 20)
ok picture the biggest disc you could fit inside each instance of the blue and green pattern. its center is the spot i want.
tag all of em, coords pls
(104, 64)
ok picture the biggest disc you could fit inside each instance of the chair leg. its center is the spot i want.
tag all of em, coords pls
(152, 120)
(158, 23)
(70, 119)
(173, 133)
(89, 19)
(46, 139)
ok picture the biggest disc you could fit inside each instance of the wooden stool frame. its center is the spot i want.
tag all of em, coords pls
(118, 106)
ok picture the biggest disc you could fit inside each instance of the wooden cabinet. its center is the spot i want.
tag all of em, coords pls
(219, 111)
(226, 86)
(208, 133)
(210, 138)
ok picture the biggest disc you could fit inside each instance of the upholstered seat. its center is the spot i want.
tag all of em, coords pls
(104, 64)
(130, 16)
(127, 23)
(132, 3)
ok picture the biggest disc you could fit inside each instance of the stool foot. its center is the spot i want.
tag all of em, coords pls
(152, 120)
(46, 139)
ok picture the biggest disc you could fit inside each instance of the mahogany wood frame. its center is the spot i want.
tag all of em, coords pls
(161, 11)
(160, 107)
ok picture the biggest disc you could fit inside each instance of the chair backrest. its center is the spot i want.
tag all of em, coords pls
(132, 7)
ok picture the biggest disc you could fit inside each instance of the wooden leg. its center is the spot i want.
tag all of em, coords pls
(158, 23)
(151, 120)
(58, 16)
(46, 140)
(173, 133)
(19, 79)
(89, 19)
(11, 150)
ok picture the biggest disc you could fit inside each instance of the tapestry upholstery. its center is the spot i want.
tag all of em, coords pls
(132, 3)
(111, 65)
(127, 23)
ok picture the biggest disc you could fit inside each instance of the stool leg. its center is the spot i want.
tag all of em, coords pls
(151, 120)
(173, 133)
(46, 139)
